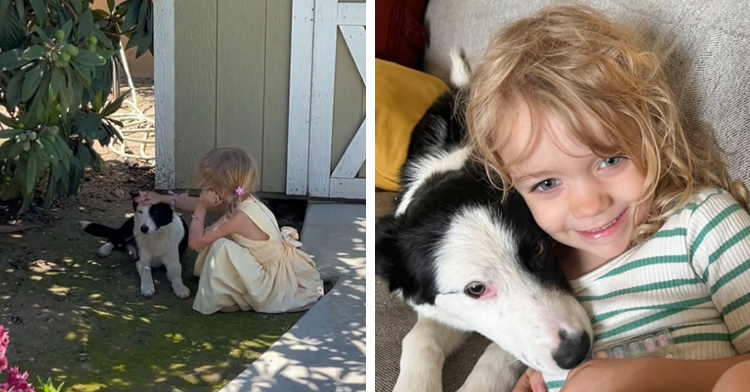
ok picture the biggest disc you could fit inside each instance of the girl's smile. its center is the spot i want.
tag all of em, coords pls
(607, 230)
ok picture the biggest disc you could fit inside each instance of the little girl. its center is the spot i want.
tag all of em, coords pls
(652, 233)
(245, 261)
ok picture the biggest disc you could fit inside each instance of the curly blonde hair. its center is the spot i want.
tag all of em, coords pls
(571, 63)
(228, 169)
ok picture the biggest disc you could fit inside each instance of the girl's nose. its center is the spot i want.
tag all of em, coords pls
(590, 201)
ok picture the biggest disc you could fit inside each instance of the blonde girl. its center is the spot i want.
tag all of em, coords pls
(651, 231)
(245, 260)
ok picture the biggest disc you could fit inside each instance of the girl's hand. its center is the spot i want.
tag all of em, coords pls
(609, 375)
(150, 198)
(530, 381)
(209, 199)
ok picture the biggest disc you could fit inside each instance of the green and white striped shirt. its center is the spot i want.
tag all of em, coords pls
(691, 278)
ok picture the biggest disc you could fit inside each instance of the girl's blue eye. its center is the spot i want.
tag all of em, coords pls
(611, 162)
(546, 185)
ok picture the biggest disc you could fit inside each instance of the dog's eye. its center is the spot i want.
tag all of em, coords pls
(475, 290)
(538, 249)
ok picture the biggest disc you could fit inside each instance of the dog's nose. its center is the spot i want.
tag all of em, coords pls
(572, 350)
(144, 229)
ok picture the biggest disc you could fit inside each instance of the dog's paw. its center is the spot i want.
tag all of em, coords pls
(181, 291)
(84, 224)
(148, 291)
(106, 249)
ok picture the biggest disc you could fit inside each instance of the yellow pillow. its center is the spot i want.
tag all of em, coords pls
(402, 95)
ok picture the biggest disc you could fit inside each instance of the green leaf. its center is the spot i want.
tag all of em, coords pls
(97, 102)
(9, 122)
(88, 59)
(11, 59)
(86, 26)
(114, 106)
(15, 150)
(26, 176)
(32, 173)
(83, 72)
(90, 125)
(13, 93)
(37, 112)
(5, 149)
(21, 12)
(84, 155)
(145, 45)
(40, 11)
(47, 40)
(131, 17)
(111, 5)
(59, 87)
(35, 52)
(68, 27)
(102, 39)
(77, 5)
(10, 133)
(105, 53)
(31, 82)
(63, 151)
(48, 150)
(57, 83)
(112, 130)
(4, 4)
(143, 11)
(13, 32)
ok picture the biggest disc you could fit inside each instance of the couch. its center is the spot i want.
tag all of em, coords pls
(708, 67)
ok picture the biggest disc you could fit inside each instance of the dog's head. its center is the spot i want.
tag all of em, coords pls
(149, 219)
(461, 257)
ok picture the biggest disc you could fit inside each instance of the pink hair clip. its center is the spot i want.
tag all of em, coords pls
(239, 191)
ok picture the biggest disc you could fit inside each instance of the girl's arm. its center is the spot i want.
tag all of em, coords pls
(719, 238)
(181, 201)
(649, 375)
(239, 223)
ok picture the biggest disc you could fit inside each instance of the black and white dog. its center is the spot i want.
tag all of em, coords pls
(465, 262)
(156, 236)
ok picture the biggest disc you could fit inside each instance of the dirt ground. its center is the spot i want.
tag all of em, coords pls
(80, 318)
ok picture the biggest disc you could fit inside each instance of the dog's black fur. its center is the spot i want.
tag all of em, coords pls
(405, 244)
(122, 237)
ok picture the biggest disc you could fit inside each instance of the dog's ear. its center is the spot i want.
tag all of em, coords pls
(389, 263)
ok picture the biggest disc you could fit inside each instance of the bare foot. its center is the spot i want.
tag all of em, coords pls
(228, 309)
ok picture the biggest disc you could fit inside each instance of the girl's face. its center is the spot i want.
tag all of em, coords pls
(581, 200)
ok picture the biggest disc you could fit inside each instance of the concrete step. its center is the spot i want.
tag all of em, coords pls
(325, 350)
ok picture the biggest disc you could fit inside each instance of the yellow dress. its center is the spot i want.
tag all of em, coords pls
(270, 276)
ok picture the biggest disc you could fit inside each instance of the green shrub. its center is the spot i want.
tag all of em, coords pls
(56, 78)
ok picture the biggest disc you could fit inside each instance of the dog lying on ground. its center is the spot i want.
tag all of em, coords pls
(156, 236)
(466, 262)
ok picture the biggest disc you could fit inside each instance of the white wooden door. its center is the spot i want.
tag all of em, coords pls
(313, 73)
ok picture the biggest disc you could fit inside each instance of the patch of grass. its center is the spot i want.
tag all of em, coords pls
(102, 335)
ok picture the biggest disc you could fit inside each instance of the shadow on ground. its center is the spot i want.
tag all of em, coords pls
(79, 318)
